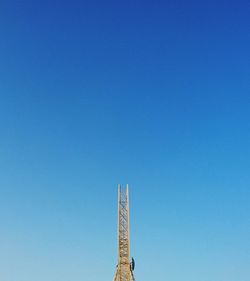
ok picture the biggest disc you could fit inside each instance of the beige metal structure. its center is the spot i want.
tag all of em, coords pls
(124, 268)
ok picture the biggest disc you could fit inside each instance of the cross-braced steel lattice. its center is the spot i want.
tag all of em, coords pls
(124, 268)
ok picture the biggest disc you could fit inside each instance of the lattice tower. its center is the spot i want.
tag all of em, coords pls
(124, 268)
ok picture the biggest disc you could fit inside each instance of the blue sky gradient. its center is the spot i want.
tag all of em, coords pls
(151, 93)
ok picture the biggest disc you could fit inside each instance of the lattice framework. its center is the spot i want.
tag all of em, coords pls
(124, 269)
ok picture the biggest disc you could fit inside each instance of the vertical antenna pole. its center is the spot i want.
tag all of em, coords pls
(118, 223)
(127, 207)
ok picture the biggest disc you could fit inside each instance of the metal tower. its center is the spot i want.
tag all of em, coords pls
(124, 268)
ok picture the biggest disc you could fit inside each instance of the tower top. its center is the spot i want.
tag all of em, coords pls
(124, 270)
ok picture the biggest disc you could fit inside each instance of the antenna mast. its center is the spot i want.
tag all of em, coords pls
(124, 268)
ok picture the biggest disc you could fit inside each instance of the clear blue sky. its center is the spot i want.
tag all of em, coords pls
(151, 93)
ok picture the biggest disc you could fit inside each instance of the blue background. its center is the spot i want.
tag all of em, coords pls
(151, 93)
